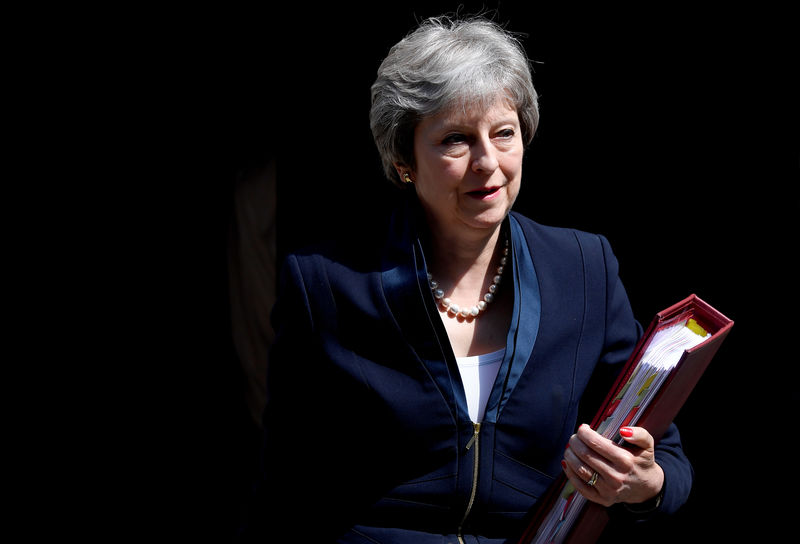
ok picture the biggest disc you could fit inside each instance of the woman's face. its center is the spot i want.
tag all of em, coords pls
(468, 165)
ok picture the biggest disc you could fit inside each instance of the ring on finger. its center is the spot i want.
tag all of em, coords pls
(593, 479)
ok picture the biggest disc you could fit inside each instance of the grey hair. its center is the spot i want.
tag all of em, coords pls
(441, 65)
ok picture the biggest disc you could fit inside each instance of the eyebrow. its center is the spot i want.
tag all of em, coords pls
(462, 125)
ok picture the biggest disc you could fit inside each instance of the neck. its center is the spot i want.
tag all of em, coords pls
(467, 271)
(461, 254)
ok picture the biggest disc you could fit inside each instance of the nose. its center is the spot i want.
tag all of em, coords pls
(484, 157)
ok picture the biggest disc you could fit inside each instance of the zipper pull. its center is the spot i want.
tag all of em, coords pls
(476, 429)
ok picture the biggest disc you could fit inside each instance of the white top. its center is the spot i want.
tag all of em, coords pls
(478, 373)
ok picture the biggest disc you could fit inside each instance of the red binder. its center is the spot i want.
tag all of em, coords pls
(659, 413)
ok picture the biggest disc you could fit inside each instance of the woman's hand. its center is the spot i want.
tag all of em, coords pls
(624, 474)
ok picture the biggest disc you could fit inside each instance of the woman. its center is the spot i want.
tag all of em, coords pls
(426, 381)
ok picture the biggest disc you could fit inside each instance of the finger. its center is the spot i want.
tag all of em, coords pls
(637, 436)
(582, 469)
(580, 476)
(610, 454)
(595, 492)
(585, 462)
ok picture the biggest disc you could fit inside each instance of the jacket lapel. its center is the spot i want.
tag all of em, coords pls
(411, 304)
(524, 322)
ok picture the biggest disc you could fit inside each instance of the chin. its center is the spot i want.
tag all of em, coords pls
(488, 219)
(495, 214)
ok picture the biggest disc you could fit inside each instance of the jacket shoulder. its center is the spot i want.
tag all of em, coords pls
(562, 238)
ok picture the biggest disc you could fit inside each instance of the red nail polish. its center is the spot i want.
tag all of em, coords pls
(626, 432)
(563, 464)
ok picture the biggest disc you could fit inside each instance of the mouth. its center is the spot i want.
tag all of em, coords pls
(484, 193)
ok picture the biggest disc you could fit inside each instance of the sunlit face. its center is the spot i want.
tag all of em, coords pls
(468, 165)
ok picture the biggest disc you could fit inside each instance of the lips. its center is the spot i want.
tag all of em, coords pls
(484, 193)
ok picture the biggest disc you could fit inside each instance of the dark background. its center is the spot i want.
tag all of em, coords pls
(671, 130)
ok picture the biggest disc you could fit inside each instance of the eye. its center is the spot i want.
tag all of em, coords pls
(507, 133)
(453, 139)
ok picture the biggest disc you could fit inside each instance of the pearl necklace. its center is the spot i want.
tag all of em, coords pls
(453, 310)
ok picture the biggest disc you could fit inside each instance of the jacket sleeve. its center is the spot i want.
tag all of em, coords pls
(297, 468)
(316, 443)
(678, 472)
(292, 322)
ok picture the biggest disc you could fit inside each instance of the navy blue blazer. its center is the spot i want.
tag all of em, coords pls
(367, 434)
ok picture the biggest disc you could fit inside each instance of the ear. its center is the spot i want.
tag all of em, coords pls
(401, 169)
(405, 173)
